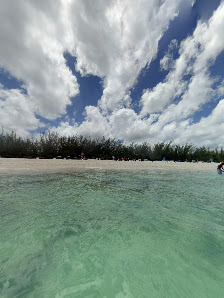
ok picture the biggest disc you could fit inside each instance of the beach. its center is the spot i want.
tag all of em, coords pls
(22, 165)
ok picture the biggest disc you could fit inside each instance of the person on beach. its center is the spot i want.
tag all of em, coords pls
(220, 168)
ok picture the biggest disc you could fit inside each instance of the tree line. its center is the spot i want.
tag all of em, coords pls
(52, 145)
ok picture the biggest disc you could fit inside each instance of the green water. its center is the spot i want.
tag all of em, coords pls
(106, 234)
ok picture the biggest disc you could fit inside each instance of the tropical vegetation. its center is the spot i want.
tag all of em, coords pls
(52, 145)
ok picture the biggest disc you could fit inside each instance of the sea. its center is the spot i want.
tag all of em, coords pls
(112, 234)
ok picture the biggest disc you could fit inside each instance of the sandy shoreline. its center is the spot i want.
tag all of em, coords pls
(22, 165)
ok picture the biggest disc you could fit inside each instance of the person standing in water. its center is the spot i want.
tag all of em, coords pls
(220, 168)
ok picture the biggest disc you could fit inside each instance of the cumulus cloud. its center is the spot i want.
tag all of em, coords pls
(196, 54)
(127, 125)
(32, 47)
(113, 40)
(95, 125)
(186, 89)
(122, 124)
(208, 131)
(17, 106)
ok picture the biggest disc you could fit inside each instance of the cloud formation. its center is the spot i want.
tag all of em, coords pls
(189, 85)
(21, 116)
(113, 40)
(32, 47)
(167, 61)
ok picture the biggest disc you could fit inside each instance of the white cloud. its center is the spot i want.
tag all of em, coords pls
(33, 40)
(127, 125)
(208, 131)
(113, 40)
(197, 53)
(221, 89)
(167, 61)
(65, 129)
(17, 106)
(198, 93)
(122, 124)
(95, 125)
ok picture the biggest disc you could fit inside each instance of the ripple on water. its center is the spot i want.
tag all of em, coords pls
(107, 234)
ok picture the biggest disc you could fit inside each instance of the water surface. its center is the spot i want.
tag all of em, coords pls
(107, 234)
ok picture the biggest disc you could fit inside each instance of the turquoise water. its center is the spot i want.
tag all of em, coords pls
(106, 234)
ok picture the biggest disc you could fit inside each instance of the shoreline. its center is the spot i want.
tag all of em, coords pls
(32, 166)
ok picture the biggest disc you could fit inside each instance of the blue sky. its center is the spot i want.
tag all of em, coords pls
(141, 71)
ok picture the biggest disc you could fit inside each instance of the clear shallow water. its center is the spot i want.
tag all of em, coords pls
(106, 234)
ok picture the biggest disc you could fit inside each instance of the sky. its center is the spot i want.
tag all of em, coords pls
(134, 70)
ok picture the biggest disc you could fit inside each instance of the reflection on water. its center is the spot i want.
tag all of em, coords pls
(105, 234)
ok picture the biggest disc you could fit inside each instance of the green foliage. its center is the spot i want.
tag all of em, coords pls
(51, 145)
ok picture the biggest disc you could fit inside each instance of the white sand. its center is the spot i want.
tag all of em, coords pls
(21, 165)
